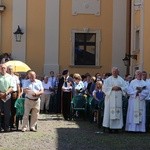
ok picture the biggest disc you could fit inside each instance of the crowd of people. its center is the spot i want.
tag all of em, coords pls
(110, 88)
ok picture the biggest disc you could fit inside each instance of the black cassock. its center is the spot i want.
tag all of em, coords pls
(59, 94)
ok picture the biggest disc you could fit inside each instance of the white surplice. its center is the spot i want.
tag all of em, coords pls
(113, 117)
(136, 113)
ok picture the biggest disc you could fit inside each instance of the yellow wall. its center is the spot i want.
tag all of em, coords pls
(35, 44)
(7, 27)
(35, 31)
(146, 36)
(35, 34)
(102, 22)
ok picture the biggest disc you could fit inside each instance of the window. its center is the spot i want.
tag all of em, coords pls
(85, 48)
(136, 39)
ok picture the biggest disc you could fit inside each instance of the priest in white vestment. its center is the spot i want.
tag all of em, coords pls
(136, 114)
(113, 87)
(147, 80)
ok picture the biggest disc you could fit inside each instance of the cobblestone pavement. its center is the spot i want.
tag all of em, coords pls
(54, 133)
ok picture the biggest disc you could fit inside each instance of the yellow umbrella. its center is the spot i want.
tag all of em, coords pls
(18, 66)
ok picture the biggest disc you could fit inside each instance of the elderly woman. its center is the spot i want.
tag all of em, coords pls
(137, 91)
(78, 84)
(78, 89)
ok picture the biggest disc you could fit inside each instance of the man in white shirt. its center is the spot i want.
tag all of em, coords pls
(14, 95)
(45, 97)
(33, 89)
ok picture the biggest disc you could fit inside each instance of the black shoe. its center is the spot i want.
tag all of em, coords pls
(7, 130)
(110, 130)
(104, 129)
(12, 126)
(66, 118)
(41, 111)
(116, 131)
(47, 112)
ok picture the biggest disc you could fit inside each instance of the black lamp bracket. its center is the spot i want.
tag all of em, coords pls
(131, 56)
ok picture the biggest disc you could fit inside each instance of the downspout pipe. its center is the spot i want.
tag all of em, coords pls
(0, 29)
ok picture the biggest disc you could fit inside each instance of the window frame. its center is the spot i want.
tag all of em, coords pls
(97, 53)
(137, 37)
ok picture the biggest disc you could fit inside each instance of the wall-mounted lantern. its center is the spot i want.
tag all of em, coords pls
(18, 34)
(126, 60)
(2, 8)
